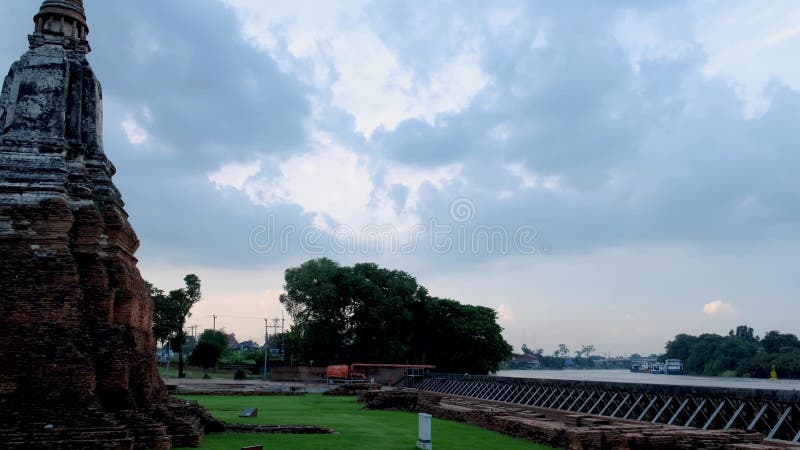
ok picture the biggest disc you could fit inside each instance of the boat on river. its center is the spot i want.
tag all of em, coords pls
(674, 367)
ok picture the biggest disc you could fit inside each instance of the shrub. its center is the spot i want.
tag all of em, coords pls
(239, 375)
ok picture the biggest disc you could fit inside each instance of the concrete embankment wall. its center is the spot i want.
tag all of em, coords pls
(776, 395)
(773, 412)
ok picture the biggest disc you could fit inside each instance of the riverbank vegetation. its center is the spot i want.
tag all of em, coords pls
(741, 353)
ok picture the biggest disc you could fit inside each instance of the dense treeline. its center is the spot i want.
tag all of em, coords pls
(740, 353)
(369, 314)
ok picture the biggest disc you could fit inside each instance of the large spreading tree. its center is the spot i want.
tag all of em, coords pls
(370, 314)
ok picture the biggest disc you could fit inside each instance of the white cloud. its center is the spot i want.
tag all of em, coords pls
(531, 180)
(334, 46)
(747, 44)
(135, 133)
(501, 133)
(652, 37)
(330, 182)
(505, 314)
(718, 307)
(339, 186)
(234, 175)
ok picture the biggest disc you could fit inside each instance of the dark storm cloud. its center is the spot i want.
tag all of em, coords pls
(204, 97)
(656, 153)
(211, 95)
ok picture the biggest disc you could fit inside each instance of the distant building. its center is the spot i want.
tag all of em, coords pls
(233, 344)
(526, 361)
(249, 345)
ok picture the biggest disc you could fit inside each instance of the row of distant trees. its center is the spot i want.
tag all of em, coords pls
(740, 353)
(561, 358)
(343, 315)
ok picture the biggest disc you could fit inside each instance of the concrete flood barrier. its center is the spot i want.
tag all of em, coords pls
(721, 413)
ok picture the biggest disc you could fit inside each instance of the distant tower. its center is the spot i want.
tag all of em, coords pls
(77, 362)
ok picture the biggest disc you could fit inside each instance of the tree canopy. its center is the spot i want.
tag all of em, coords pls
(165, 315)
(366, 313)
(210, 347)
(740, 353)
(170, 312)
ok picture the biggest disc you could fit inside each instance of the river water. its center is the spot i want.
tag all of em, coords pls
(625, 376)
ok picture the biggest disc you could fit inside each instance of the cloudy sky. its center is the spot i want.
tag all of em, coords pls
(600, 174)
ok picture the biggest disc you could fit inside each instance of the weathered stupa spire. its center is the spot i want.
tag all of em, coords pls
(61, 21)
(77, 369)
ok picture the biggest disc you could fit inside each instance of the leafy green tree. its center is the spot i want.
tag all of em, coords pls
(787, 364)
(680, 347)
(740, 353)
(185, 298)
(551, 362)
(209, 348)
(744, 333)
(527, 350)
(366, 313)
(383, 309)
(463, 338)
(562, 351)
(777, 342)
(314, 298)
(165, 315)
(170, 312)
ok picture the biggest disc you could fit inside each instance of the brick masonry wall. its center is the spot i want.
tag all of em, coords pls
(76, 343)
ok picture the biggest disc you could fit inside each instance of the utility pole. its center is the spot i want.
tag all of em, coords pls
(215, 322)
(266, 345)
(275, 328)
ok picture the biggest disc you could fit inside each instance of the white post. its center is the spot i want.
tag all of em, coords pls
(424, 440)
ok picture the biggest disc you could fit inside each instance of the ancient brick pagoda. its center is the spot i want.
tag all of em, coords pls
(77, 369)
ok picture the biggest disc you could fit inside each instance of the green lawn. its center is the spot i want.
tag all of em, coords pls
(357, 428)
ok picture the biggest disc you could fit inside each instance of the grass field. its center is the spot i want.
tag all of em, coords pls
(357, 428)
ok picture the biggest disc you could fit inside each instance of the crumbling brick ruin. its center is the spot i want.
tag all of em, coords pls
(561, 429)
(77, 369)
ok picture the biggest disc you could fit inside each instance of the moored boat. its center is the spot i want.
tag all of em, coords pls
(674, 367)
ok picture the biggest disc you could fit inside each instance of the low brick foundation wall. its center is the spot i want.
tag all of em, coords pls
(302, 373)
(562, 429)
(353, 389)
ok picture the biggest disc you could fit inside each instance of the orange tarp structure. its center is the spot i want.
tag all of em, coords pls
(342, 372)
(358, 370)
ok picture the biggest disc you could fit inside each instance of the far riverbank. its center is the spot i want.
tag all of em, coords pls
(625, 376)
